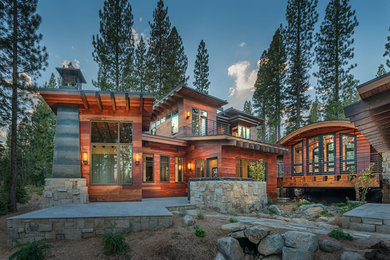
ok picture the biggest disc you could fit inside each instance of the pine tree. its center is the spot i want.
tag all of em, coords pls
(333, 53)
(52, 82)
(381, 70)
(387, 51)
(314, 114)
(20, 52)
(114, 47)
(201, 69)
(176, 63)
(275, 92)
(248, 107)
(301, 17)
(158, 46)
(141, 66)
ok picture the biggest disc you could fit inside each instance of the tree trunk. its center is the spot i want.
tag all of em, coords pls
(14, 165)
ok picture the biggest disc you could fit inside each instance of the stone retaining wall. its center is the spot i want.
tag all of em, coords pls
(59, 191)
(24, 230)
(241, 196)
(366, 224)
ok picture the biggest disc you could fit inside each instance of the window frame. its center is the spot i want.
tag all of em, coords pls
(204, 167)
(169, 168)
(177, 169)
(118, 146)
(143, 167)
(299, 164)
(252, 160)
(321, 162)
(173, 114)
(341, 153)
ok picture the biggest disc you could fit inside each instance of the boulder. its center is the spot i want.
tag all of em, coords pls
(230, 248)
(330, 246)
(348, 255)
(275, 209)
(220, 256)
(370, 242)
(303, 222)
(238, 234)
(313, 211)
(232, 227)
(289, 253)
(256, 233)
(302, 240)
(271, 245)
(315, 205)
(188, 220)
(272, 257)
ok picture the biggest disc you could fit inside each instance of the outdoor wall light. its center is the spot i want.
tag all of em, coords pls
(137, 158)
(189, 166)
(188, 115)
(85, 158)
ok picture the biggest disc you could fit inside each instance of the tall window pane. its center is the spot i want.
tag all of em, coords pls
(203, 123)
(298, 158)
(126, 133)
(148, 174)
(104, 164)
(179, 169)
(329, 153)
(175, 122)
(126, 164)
(199, 168)
(164, 168)
(195, 121)
(104, 132)
(348, 153)
(313, 155)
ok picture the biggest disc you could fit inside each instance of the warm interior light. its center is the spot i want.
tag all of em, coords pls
(179, 167)
(188, 114)
(189, 166)
(85, 157)
(137, 158)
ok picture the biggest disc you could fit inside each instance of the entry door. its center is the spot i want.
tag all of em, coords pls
(212, 167)
(203, 123)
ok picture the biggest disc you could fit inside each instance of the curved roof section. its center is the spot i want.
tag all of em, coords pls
(316, 129)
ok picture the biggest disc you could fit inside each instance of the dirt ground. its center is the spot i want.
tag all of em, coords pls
(176, 242)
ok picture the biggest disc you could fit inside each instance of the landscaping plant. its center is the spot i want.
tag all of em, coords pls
(233, 220)
(257, 170)
(340, 235)
(200, 215)
(36, 250)
(363, 182)
(114, 243)
(199, 232)
(182, 212)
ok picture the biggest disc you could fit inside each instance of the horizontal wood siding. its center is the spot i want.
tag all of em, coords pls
(203, 151)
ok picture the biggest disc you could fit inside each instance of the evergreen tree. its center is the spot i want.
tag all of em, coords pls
(333, 53)
(301, 17)
(114, 47)
(275, 92)
(201, 69)
(20, 52)
(176, 63)
(248, 107)
(387, 51)
(314, 114)
(381, 70)
(158, 47)
(140, 66)
(52, 82)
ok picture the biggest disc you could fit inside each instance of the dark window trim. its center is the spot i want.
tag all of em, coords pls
(254, 160)
(143, 168)
(321, 161)
(292, 160)
(207, 165)
(118, 153)
(341, 153)
(169, 168)
(178, 169)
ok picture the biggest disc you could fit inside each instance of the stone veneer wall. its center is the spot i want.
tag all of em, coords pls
(59, 191)
(28, 230)
(224, 195)
(386, 177)
(366, 224)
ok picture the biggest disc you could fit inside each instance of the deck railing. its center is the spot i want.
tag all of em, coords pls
(206, 127)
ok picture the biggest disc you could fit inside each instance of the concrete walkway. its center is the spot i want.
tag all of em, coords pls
(371, 210)
(146, 207)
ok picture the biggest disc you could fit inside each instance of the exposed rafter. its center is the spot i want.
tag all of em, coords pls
(99, 101)
(127, 102)
(113, 101)
(84, 99)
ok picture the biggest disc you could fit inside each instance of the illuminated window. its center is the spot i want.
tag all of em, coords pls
(175, 122)
(348, 153)
(199, 168)
(297, 158)
(179, 169)
(164, 168)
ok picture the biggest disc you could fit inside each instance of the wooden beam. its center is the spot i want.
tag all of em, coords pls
(84, 99)
(99, 101)
(141, 105)
(113, 101)
(127, 102)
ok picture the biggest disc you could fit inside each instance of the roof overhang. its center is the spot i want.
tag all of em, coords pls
(235, 114)
(163, 140)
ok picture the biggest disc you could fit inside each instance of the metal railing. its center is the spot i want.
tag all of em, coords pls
(205, 127)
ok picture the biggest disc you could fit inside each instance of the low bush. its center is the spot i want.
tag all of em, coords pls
(199, 232)
(341, 204)
(326, 213)
(182, 212)
(233, 220)
(37, 250)
(340, 235)
(114, 243)
(272, 211)
(305, 202)
(350, 206)
(200, 215)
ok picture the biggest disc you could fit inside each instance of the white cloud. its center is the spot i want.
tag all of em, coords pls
(75, 63)
(140, 19)
(242, 44)
(310, 88)
(244, 80)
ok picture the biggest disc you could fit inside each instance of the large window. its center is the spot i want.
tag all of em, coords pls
(199, 122)
(321, 154)
(313, 148)
(328, 154)
(175, 122)
(164, 168)
(148, 172)
(195, 121)
(203, 123)
(243, 169)
(297, 159)
(179, 169)
(348, 153)
(112, 152)
(199, 168)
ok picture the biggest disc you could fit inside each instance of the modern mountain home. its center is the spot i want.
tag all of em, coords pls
(128, 148)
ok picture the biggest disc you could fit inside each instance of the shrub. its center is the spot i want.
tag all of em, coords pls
(270, 202)
(340, 235)
(200, 215)
(305, 202)
(182, 212)
(325, 213)
(233, 220)
(341, 204)
(363, 182)
(36, 250)
(350, 206)
(257, 170)
(114, 243)
(272, 211)
(199, 232)
(233, 213)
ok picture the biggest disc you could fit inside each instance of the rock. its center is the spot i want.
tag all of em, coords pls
(232, 227)
(302, 240)
(348, 255)
(230, 248)
(272, 257)
(315, 205)
(314, 211)
(330, 246)
(303, 222)
(323, 219)
(256, 233)
(370, 242)
(273, 208)
(238, 234)
(289, 253)
(188, 220)
(220, 256)
(271, 245)
(249, 257)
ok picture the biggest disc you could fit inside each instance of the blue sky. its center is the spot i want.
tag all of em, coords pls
(235, 32)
